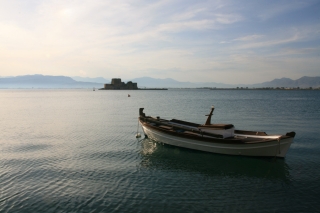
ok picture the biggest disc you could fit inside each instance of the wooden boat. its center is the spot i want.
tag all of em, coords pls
(216, 138)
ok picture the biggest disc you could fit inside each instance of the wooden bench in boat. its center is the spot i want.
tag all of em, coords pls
(216, 126)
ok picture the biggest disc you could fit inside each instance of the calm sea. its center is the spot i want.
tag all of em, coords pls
(76, 151)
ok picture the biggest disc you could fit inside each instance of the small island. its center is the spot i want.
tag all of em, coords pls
(117, 84)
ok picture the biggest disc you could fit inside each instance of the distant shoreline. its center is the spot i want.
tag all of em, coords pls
(44, 81)
(136, 89)
(153, 89)
(267, 88)
(173, 88)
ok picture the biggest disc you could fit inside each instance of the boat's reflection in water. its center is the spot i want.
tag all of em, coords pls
(165, 157)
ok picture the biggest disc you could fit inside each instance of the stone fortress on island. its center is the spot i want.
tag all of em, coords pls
(117, 84)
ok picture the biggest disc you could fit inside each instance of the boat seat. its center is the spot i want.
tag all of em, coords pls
(218, 126)
(244, 132)
(184, 123)
(165, 127)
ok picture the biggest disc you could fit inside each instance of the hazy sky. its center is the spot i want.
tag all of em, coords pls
(229, 41)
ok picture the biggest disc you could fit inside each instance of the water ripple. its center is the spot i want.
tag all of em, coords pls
(75, 151)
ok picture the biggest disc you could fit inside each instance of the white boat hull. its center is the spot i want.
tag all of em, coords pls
(274, 148)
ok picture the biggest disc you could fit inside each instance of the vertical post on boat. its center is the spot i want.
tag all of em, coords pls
(208, 122)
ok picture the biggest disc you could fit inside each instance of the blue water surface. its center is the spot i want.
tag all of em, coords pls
(76, 151)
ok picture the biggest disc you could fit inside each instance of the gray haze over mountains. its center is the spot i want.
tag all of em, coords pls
(304, 82)
(45, 81)
(92, 80)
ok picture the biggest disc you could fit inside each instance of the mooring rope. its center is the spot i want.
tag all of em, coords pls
(138, 127)
(138, 135)
(279, 147)
(279, 143)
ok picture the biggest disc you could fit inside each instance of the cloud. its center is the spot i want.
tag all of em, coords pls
(70, 27)
(228, 18)
(271, 42)
(129, 37)
(249, 38)
(188, 25)
(189, 14)
(281, 7)
(297, 51)
(280, 37)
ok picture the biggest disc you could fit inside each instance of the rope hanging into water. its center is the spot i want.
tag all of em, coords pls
(138, 126)
(279, 144)
(138, 135)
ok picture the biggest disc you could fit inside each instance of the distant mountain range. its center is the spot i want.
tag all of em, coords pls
(171, 83)
(46, 81)
(304, 82)
(93, 80)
